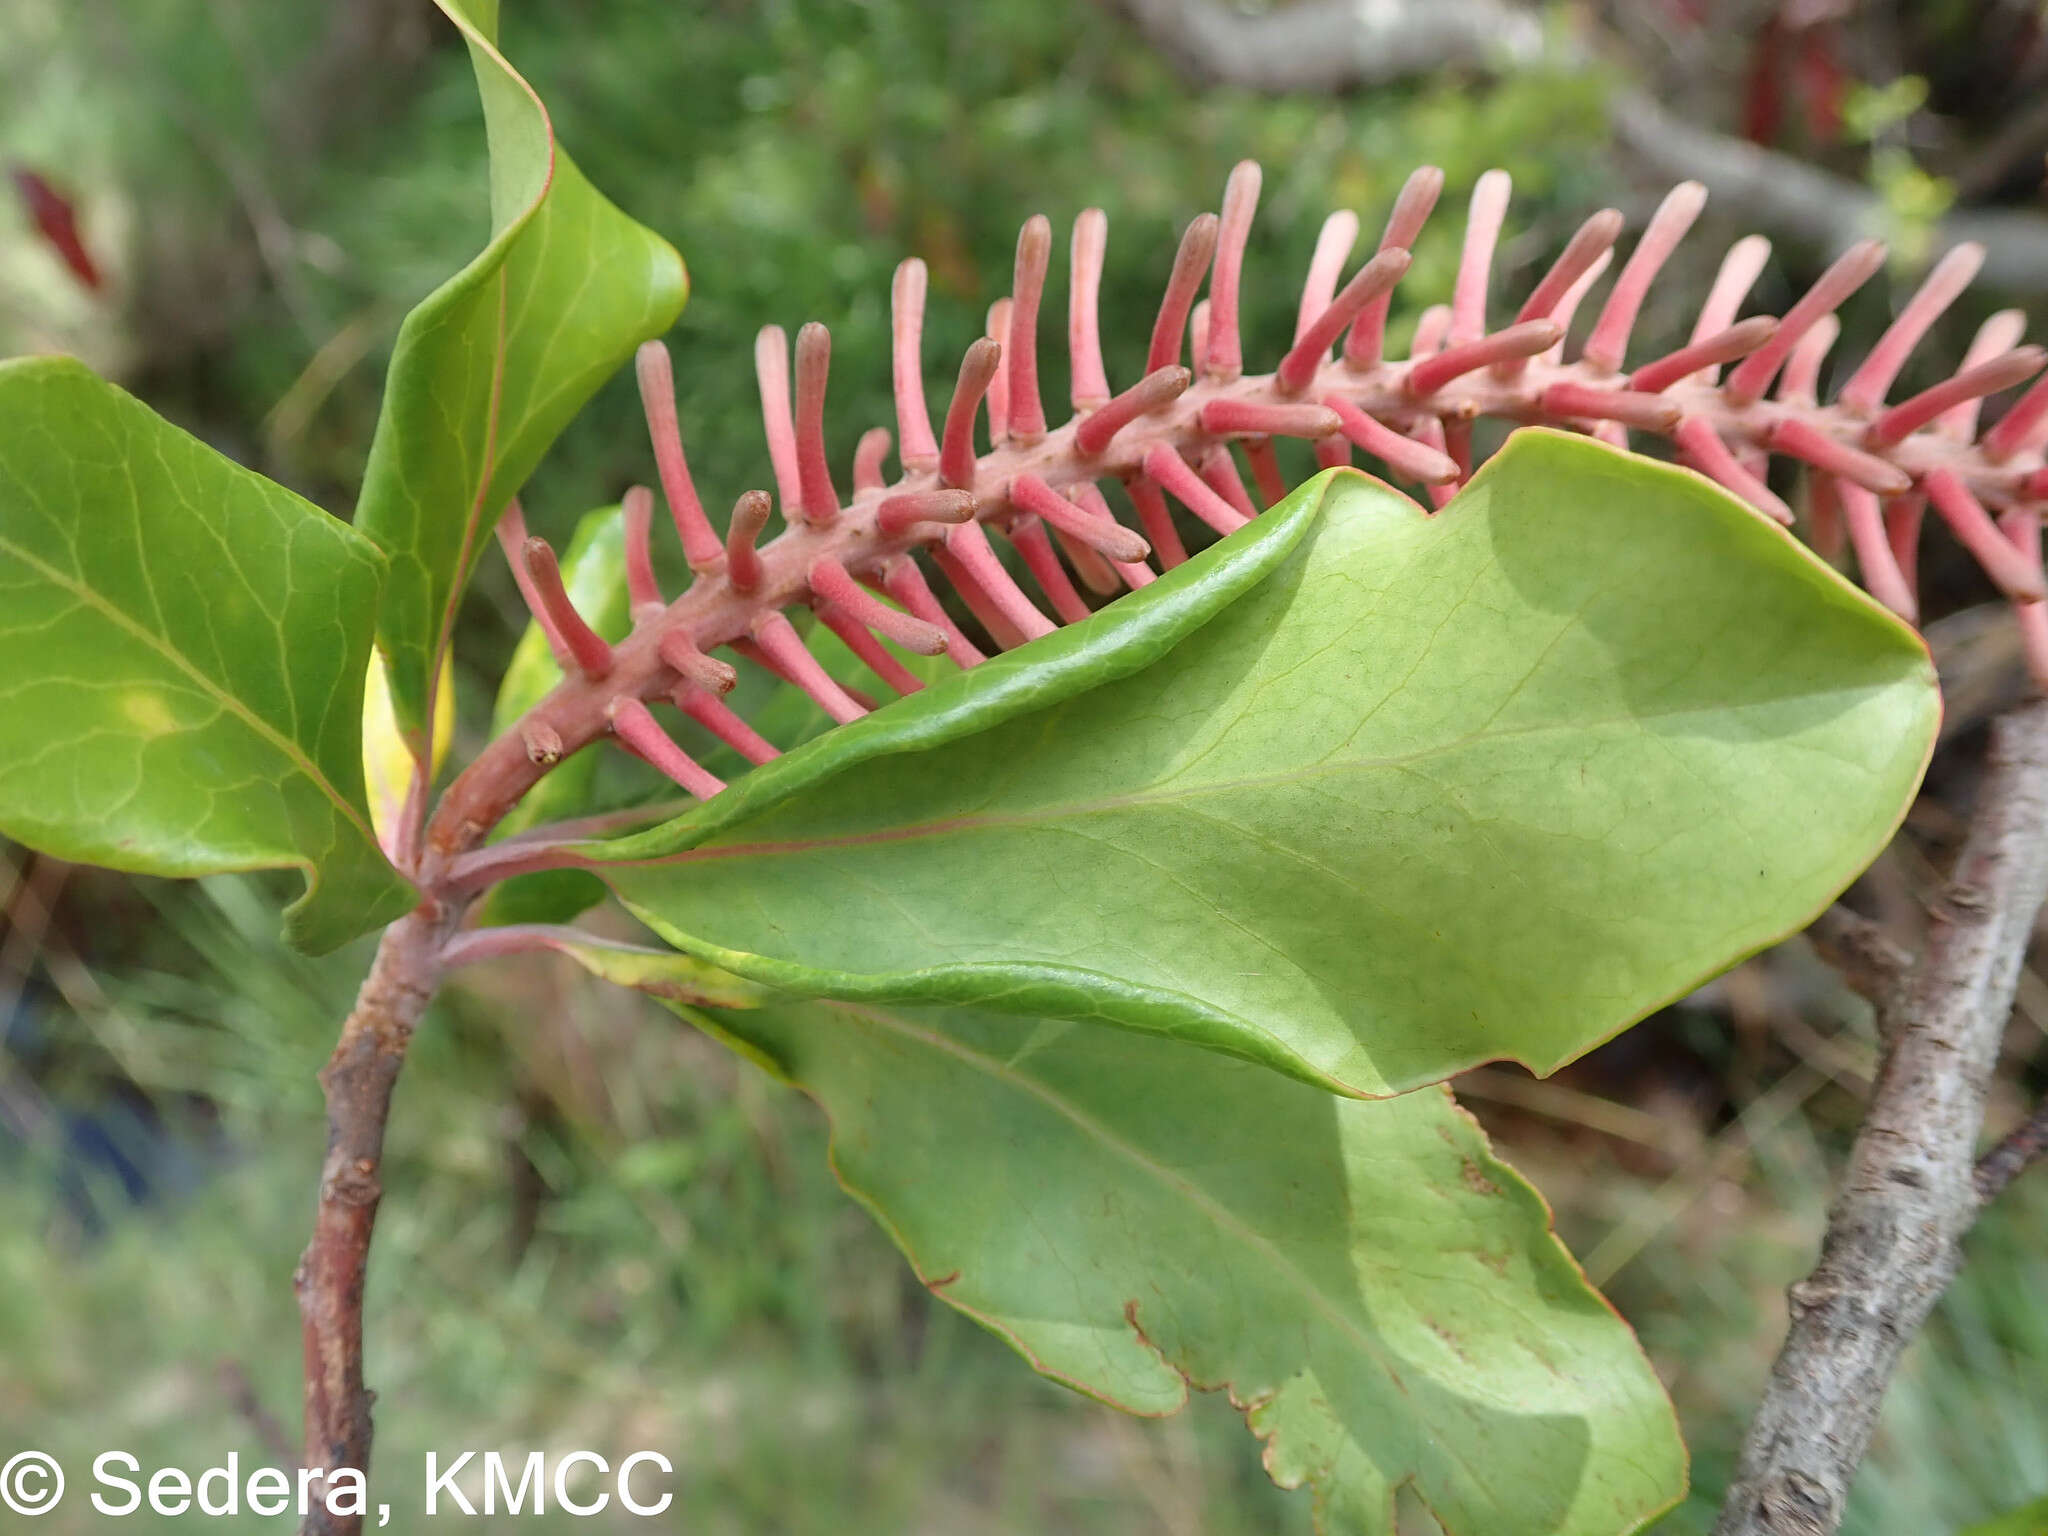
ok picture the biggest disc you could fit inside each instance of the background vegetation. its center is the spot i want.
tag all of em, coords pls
(602, 1231)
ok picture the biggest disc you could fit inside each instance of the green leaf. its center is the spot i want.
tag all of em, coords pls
(594, 572)
(1383, 1297)
(1438, 790)
(659, 973)
(2028, 1520)
(491, 367)
(185, 648)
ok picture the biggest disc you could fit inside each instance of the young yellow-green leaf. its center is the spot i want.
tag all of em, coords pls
(184, 648)
(491, 367)
(594, 573)
(1383, 1297)
(1440, 789)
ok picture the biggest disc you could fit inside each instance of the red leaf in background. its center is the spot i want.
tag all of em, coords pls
(1821, 83)
(53, 217)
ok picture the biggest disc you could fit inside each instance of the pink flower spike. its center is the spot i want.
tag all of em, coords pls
(771, 368)
(902, 512)
(1902, 518)
(999, 386)
(1155, 391)
(902, 580)
(658, 399)
(2023, 527)
(1851, 270)
(1799, 384)
(1034, 251)
(2021, 428)
(2018, 577)
(1568, 306)
(1190, 266)
(717, 717)
(512, 540)
(1824, 529)
(1522, 340)
(1875, 558)
(956, 452)
(1258, 452)
(906, 328)
(749, 517)
(814, 473)
(783, 646)
(1236, 418)
(1096, 573)
(1800, 440)
(1133, 574)
(868, 456)
(1219, 472)
(1090, 386)
(1411, 210)
(1333, 246)
(1630, 407)
(830, 581)
(1156, 518)
(1113, 539)
(1028, 536)
(1312, 348)
(1171, 472)
(867, 648)
(1723, 346)
(969, 547)
(1593, 239)
(1702, 445)
(558, 616)
(636, 513)
(1222, 351)
(1738, 273)
(1403, 455)
(705, 674)
(1986, 378)
(1483, 220)
(1998, 335)
(638, 732)
(1006, 635)
(1333, 453)
(1432, 327)
(1608, 344)
(1868, 385)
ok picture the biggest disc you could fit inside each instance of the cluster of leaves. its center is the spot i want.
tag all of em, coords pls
(1125, 963)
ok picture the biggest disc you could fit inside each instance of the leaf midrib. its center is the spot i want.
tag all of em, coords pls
(980, 820)
(226, 700)
(1221, 1214)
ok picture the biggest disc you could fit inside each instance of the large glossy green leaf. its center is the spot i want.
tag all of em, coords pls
(1439, 789)
(185, 645)
(491, 367)
(1383, 1297)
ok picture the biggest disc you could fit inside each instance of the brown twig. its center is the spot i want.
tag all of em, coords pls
(1893, 1235)
(2024, 1145)
(358, 1080)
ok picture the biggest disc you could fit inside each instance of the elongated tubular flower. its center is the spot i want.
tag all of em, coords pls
(1172, 436)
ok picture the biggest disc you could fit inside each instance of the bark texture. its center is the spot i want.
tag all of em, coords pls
(1894, 1233)
(357, 1080)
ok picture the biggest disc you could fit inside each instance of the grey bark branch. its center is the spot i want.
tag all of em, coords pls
(1908, 1196)
(1331, 45)
(2026, 1145)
